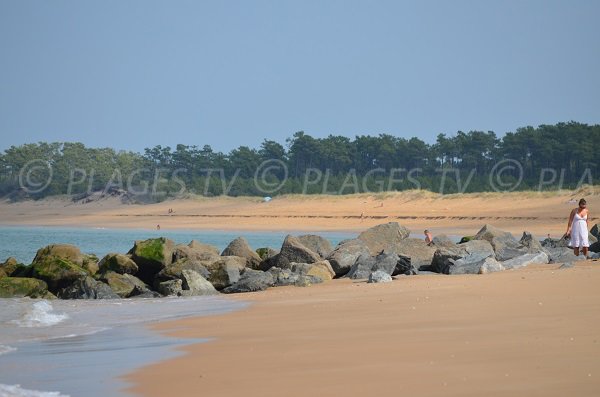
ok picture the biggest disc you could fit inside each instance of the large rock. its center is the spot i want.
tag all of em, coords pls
(195, 251)
(556, 242)
(286, 277)
(490, 265)
(117, 263)
(533, 244)
(152, 256)
(224, 275)
(240, 247)
(171, 288)
(124, 285)
(460, 259)
(442, 240)
(345, 255)
(561, 254)
(321, 270)
(526, 260)
(292, 250)
(87, 288)
(504, 244)
(236, 261)
(379, 276)
(476, 254)
(595, 247)
(388, 262)
(251, 280)
(417, 250)
(9, 266)
(384, 237)
(404, 266)
(194, 284)
(20, 287)
(65, 252)
(361, 267)
(174, 270)
(56, 272)
(316, 244)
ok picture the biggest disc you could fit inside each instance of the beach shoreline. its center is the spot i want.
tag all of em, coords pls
(538, 213)
(529, 331)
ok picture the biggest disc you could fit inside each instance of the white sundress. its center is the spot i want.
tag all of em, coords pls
(579, 232)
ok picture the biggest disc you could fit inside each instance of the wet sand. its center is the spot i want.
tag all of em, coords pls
(528, 332)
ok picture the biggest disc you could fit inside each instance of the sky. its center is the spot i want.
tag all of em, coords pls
(135, 74)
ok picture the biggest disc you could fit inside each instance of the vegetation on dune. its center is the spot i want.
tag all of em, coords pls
(552, 157)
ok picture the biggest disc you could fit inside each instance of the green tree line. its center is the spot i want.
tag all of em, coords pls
(548, 157)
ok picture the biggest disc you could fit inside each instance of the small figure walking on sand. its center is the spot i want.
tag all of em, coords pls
(577, 228)
(428, 237)
(157, 227)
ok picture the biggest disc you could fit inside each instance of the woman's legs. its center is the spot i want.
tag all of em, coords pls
(585, 251)
(576, 251)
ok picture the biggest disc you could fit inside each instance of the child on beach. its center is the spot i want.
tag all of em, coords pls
(428, 237)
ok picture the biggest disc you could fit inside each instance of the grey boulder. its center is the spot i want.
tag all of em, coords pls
(345, 255)
(379, 276)
(250, 281)
(87, 288)
(383, 237)
(240, 247)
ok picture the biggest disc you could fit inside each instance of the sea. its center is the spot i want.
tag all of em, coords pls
(57, 348)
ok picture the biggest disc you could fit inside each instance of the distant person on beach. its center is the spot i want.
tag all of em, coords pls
(577, 228)
(428, 237)
(157, 227)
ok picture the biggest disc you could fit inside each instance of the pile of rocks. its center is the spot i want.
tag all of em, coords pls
(159, 267)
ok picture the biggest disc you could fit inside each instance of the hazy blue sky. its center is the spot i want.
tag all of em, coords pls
(134, 74)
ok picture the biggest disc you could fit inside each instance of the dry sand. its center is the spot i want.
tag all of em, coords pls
(539, 213)
(532, 332)
(529, 332)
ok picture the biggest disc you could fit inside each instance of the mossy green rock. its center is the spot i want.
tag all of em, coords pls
(66, 252)
(19, 287)
(57, 273)
(118, 263)
(151, 256)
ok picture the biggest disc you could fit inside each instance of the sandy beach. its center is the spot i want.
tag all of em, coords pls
(532, 331)
(460, 214)
(529, 332)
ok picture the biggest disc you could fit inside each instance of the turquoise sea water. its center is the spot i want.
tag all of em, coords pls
(23, 242)
(81, 347)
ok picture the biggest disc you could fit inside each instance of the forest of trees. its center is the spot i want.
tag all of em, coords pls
(549, 156)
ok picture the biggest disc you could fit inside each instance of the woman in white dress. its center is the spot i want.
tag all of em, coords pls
(577, 228)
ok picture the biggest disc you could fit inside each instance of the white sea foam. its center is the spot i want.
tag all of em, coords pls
(6, 349)
(18, 391)
(40, 315)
